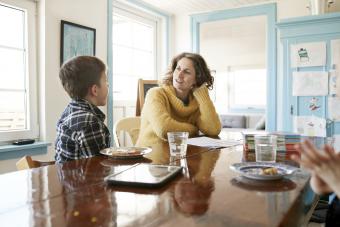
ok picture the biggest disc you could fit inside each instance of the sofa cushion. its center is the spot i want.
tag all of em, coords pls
(261, 124)
(233, 121)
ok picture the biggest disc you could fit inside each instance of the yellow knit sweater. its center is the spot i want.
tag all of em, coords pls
(163, 112)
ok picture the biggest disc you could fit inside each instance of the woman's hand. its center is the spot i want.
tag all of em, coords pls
(195, 87)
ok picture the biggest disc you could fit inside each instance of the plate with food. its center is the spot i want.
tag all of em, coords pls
(263, 170)
(125, 152)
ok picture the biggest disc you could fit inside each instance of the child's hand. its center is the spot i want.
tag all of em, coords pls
(324, 164)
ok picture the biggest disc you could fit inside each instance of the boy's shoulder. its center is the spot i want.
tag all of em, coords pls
(79, 116)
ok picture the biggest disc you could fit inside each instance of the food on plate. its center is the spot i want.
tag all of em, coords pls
(269, 171)
(126, 152)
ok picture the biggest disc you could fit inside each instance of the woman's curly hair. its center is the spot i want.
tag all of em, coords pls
(203, 74)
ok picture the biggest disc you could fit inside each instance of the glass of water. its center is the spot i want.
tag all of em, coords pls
(265, 148)
(178, 142)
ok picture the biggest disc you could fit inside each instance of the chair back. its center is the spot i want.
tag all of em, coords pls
(143, 87)
(130, 125)
(27, 162)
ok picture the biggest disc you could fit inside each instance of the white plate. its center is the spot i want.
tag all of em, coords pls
(125, 152)
(253, 170)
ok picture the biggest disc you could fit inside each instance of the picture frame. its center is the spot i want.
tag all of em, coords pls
(143, 87)
(76, 40)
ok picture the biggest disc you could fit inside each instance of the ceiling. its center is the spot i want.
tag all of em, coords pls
(194, 6)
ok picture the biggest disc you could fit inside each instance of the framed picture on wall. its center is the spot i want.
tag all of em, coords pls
(76, 40)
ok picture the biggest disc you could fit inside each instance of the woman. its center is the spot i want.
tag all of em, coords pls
(181, 103)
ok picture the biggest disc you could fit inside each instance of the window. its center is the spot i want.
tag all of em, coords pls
(246, 90)
(134, 52)
(18, 71)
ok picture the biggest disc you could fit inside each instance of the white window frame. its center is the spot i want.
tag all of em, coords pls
(32, 125)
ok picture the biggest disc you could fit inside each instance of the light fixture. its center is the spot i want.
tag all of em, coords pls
(317, 7)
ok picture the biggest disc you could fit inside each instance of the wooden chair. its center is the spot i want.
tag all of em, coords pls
(130, 125)
(27, 162)
(143, 87)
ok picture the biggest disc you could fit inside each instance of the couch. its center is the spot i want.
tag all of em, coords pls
(242, 122)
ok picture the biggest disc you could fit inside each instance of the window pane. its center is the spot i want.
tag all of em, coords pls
(142, 37)
(13, 99)
(249, 88)
(12, 73)
(11, 27)
(143, 64)
(122, 59)
(126, 89)
(12, 110)
(133, 56)
(121, 31)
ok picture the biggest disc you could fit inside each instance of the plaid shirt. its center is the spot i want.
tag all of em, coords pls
(81, 132)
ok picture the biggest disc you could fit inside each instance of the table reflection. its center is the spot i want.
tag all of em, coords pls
(263, 186)
(192, 193)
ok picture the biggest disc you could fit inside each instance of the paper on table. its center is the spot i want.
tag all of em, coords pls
(210, 142)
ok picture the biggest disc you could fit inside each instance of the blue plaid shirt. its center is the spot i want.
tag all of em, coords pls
(81, 132)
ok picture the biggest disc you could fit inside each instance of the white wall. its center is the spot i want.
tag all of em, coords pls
(53, 98)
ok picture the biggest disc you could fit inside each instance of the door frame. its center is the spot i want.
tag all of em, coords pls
(268, 10)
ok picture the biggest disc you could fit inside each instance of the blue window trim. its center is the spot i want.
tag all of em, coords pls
(109, 69)
(166, 17)
(268, 10)
(15, 151)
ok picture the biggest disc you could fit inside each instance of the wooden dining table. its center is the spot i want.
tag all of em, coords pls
(206, 193)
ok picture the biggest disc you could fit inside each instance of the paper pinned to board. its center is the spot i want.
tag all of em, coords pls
(214, 143)
(310, 126)
(310, 83)
(335, 53)
(334, 83)
(333, 108)
(308, 54)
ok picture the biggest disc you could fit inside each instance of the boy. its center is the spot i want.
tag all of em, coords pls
(81, 132)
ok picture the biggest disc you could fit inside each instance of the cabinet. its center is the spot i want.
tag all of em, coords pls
(294, 32)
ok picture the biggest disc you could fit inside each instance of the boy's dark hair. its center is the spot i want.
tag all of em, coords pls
(79, 73)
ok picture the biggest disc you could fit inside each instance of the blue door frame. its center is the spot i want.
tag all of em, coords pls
(268, 10)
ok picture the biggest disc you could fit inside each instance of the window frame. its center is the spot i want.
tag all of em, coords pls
(30, 37)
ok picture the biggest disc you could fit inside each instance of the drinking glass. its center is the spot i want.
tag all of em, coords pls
(265, 148)
(178, 143)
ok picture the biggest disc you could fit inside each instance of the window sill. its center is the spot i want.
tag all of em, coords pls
(246, 110)
(15, 151)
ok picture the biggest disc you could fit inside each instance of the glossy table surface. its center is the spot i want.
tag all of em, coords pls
(207, 193)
